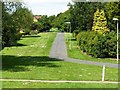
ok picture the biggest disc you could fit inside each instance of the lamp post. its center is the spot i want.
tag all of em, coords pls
(70, 34)
(116, 19)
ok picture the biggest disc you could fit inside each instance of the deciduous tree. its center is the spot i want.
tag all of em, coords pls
(14, 17)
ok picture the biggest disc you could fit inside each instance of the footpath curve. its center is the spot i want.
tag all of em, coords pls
(59, 51)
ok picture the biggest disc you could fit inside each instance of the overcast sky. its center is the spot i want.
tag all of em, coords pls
(47, 7)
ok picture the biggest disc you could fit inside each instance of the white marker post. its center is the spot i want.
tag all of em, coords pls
(103, 73)
(116, 19)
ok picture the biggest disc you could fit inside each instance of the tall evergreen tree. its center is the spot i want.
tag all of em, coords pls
(100, 22)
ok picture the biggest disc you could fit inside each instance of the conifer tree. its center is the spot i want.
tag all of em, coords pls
(100, 22)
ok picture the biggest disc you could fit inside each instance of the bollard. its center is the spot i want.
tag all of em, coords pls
(103, 73)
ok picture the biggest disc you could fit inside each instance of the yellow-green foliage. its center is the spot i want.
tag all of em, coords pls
(100, 22)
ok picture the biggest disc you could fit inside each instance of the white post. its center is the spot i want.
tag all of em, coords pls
(117, 43)
(70, 36)
(116, 19)
(103, 73)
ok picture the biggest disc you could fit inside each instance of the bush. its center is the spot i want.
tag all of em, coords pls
(98, 45)
(33, 32)
(75, 33)
(19, 35)
(54, 30)
(26, 31)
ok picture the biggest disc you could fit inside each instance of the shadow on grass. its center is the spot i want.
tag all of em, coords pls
(72, 39)
(17, 64)
(31, 36)
(17, 45)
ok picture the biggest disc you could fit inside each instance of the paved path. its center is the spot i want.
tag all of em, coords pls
(57, 81)
(92, 63)
(59, 51)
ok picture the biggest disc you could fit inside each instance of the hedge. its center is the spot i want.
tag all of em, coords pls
(75, 33)
(98, 45)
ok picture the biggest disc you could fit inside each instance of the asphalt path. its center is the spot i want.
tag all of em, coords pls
(59, 51)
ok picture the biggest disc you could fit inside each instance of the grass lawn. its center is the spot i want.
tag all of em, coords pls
(75, 52)
(44, 68)
(57, 85)
(35, 45)
(29, 60)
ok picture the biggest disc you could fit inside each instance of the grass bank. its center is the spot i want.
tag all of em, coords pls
(75, 52)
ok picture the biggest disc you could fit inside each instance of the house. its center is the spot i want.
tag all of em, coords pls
(36, 18)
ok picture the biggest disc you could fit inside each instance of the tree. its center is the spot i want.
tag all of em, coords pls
(112, 11)
(0, 26)
(43, 23)
(23, 18)
(82, 15)
(8, 25)
(51, 18)
(14, 17)
(100, 22)
(61, 18)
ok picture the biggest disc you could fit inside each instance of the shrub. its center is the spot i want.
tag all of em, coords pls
(75, 33)
(97, 45)
(33, 32)
(54, 30)
(19, 35)
(26, 31)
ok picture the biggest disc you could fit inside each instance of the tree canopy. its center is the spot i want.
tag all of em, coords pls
(61, 18)
(82, 14)
(112, 11)
(14, 17)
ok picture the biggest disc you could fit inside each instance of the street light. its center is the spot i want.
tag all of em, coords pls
(116, 19)
(70, 25)
(70, 34)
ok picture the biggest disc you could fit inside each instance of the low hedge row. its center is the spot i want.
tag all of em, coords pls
(98, 45)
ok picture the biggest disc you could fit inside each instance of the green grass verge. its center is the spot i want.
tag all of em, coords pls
(75, 52)
(44, 68)
(37, 45)
(57, 85)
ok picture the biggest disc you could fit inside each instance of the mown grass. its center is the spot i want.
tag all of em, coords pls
(75, 52)
(58, 85)
(29, 60)
(44, 68)
(37, 45)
